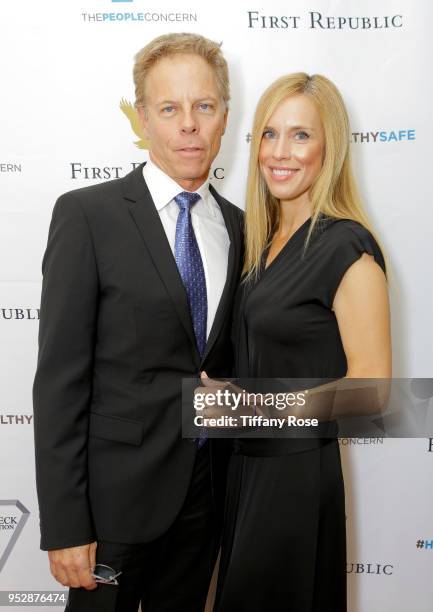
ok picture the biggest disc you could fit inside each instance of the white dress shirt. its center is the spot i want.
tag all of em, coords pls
(209, 228)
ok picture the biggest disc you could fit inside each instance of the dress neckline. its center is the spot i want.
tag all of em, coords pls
(266, 268)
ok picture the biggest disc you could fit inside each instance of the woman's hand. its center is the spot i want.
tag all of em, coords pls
(220, 398)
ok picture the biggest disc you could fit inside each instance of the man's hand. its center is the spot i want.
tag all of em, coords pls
(72, 567)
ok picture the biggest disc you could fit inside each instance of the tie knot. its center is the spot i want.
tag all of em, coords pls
(186, 199)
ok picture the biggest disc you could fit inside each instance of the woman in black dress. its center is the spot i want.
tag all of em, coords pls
(313, 304)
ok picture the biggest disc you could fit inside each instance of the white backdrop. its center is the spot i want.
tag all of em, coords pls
(65, 67)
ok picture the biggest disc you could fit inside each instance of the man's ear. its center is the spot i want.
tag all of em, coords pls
(226, 113)
(144, 121)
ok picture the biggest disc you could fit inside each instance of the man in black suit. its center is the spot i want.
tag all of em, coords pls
(139, 276)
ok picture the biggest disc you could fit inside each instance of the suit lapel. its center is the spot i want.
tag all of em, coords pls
(232, 226)
(146, 218)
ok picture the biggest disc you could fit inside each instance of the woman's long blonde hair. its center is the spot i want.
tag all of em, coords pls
(333, 193)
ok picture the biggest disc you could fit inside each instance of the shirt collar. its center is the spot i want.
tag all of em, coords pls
(163, 188)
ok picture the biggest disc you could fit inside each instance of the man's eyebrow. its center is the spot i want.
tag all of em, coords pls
(201, 99)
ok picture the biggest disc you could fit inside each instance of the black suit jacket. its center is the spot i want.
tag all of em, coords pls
(115, 340)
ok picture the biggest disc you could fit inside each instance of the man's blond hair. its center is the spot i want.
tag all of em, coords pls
(172, 44)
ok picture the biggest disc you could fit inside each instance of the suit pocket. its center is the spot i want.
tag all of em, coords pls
(115, 428)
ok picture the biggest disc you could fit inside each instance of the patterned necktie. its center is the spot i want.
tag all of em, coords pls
(190, 265)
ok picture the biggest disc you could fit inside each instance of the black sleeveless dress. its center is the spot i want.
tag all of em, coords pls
(284, 540)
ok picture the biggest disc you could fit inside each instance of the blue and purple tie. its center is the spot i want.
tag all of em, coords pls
(190, 265)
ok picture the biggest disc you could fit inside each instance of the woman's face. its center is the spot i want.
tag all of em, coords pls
(292, 148)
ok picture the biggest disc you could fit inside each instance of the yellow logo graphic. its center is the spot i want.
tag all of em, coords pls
(131, 113)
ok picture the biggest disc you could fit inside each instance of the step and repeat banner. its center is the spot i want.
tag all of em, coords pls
(68, 121)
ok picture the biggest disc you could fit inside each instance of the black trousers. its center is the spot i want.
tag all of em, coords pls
(171, 573)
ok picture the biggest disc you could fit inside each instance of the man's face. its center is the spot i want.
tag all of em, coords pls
(184, 118)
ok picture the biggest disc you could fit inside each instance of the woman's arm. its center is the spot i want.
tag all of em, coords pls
(361, 307)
